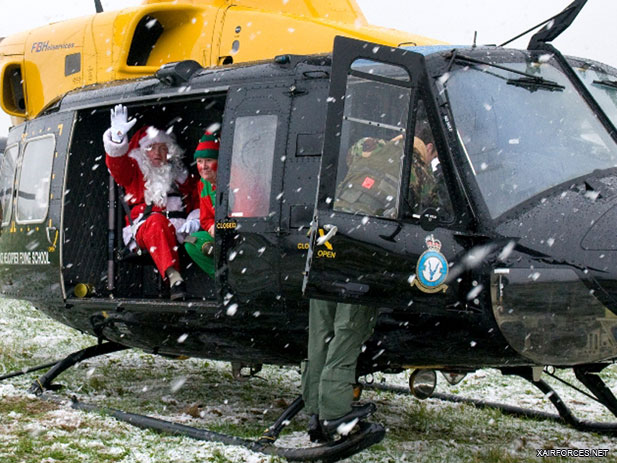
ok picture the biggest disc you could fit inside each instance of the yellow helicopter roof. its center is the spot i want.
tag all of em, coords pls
(41, 65)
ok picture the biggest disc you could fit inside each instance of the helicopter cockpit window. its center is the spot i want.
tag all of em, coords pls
(35, 179)
(251, 166)
(7, 180)
(373, 139)
(427, 186)
(523, 135)
(603, 87)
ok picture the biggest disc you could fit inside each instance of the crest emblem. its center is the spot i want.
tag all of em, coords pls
(432, 268)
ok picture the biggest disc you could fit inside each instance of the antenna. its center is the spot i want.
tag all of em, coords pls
(562, 21)
(98, 6)
(553, 30)
(475, 38)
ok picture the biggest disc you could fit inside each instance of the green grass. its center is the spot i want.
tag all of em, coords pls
(34, 430)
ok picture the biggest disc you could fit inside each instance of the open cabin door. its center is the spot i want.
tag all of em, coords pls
(379, 235)
(31, 195)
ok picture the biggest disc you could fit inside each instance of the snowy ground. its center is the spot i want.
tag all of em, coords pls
(204, 394)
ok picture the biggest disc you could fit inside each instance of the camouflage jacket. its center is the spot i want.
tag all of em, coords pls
(371, 184)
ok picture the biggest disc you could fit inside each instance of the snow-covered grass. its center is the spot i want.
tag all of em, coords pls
(204, 394)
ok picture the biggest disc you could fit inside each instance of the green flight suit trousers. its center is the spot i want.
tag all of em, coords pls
(337, 332)
(206, 263)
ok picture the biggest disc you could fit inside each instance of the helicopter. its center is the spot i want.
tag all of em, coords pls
(509, 264)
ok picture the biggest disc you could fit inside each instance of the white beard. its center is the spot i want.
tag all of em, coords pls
(159, 181)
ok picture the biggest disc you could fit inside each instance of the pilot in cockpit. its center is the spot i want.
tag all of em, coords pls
(371, 183)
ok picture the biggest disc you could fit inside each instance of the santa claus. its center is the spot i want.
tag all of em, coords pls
(157, 188)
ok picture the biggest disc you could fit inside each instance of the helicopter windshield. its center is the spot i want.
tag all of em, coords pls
(524, 128)
(602, 84)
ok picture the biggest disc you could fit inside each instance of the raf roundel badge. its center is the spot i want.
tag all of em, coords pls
(432, 268)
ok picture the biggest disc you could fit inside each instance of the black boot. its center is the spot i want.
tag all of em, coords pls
(358, 412)
(177, 292)
(315, 432)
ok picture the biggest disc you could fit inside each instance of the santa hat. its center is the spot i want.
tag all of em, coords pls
(208, 147)
(149, 135)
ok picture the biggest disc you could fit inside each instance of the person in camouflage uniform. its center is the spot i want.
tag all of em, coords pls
(338, 330)
(423, 188)
(427, 186)
(372, 181)
(371, 185)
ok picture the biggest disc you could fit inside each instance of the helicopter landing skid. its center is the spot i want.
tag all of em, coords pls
(586, 374)
(45, 381)
(367, 434)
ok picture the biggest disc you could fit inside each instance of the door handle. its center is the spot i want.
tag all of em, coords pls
(331, 229)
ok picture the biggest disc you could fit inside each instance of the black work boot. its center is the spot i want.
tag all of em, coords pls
(315, 432)
(357, 413)
(177, 292)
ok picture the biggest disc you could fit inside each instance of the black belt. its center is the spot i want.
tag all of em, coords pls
(169, 214)
(172, 214)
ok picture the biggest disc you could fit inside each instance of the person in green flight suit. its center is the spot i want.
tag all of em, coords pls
(338, 330)
(200, 244)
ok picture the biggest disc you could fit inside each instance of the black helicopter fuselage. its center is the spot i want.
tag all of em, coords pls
(496, 268)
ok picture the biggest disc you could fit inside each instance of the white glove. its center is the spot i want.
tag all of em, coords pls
(120, 125)
(190, 226)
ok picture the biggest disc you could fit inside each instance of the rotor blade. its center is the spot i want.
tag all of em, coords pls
(98, 6)
(561, 22)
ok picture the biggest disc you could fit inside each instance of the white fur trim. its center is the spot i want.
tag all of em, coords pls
(129, 238)
(174, 203)
(154, 135)
(114, 150)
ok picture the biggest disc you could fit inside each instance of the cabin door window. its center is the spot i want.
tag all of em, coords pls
(35, 180)
(7, 181)
(251, 166)
(377, 101)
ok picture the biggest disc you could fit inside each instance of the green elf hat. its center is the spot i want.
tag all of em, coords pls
(208, 147)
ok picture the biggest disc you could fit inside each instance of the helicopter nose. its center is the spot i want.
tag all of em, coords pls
(602, 235)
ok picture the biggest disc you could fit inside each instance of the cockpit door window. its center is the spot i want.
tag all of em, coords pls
(375, 116)
(427, 185)
(366, 247)
(7, 182)
(35, 180)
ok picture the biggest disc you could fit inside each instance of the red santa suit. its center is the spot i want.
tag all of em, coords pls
(160, 189)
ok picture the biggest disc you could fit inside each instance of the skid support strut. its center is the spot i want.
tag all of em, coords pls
(586, 374)
(44, 381)
(595, 385)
